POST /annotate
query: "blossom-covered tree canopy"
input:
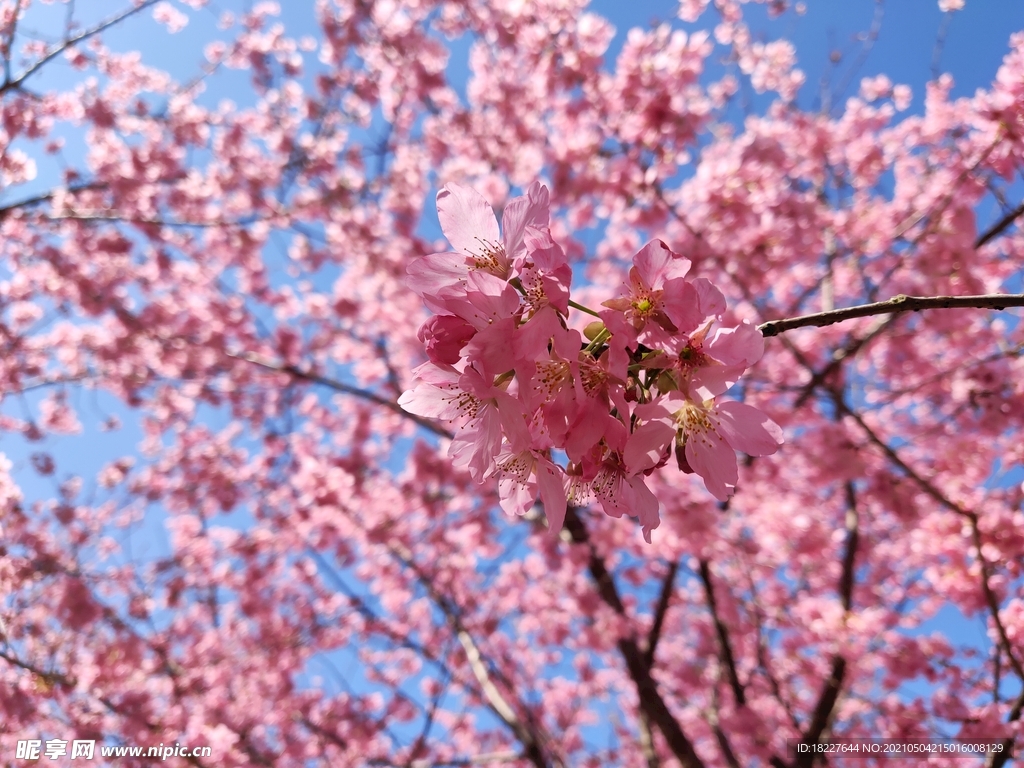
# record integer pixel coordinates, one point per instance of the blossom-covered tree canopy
(692, 435)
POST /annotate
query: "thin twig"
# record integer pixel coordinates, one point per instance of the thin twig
(70, 42)
(940, 44)
(340, 386)
(1000, 226)
(894, 305)
(524, 730)
(839, 355)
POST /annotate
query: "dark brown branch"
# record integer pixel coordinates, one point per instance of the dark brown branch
(724, 645)
(1000, 226)
(896, 304)
(650, 698)
(667, 586)
(762, 656)
(992, 603)
(723, 744)
(990, 597)
(829, 695)
(850, 554)
(999, 759)
(716, 724)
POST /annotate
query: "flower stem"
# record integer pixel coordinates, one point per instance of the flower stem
(603, 335)
(581, 308)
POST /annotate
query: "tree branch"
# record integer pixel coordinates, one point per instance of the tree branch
(48, 196)
(829, 695)
(339, 386)
(894, 305)
(724, 645)
(525, 732)
(57, 678)
(999, 759)
(853, 347)
(991, 601)
(999, 227)
(56, 50)
(667, 586)
(651, 702)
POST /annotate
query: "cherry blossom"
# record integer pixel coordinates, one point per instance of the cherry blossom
(707, 433)
(469, 223)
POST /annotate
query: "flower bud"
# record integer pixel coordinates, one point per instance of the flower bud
(593, 329)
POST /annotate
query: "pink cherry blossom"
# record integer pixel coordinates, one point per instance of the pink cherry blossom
(444, 336)
(469, 223)
(486, 413)
(524, 475)
(548, 371)
(619, 493)
(709, 435)
(707, 367)
(659, 301)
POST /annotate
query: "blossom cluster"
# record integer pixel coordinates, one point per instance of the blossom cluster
(643, 381)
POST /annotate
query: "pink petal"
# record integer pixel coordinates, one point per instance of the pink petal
(486, 300)
(437, 276)
(710, 381)
(467, 220)
(663, 408)
(655, 263)
(749, 430)
(709, 298)
(531, 340)
(552, 494)
(644, 504)
(529, 210)
(513, 420)
(477, 443)
(741, 345)
(515, 498)
(680, 301)
(556, 288)
(588, 429)
(488, 348)
(428, 401)
(623, 333)
(436, 393)
(715, 462)
(645, 446)
(544, 251)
